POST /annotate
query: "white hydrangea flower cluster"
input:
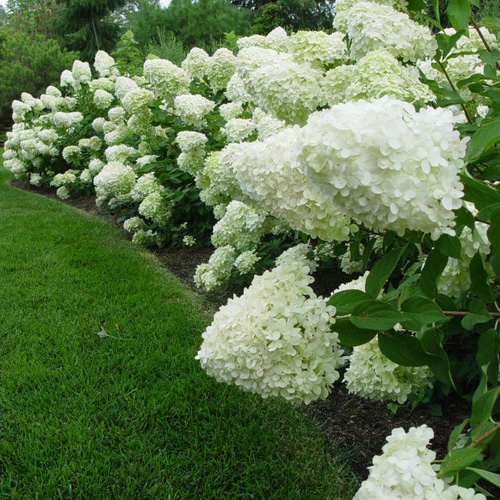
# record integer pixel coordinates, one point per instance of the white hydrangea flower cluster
(72, 154)
(342, 8)
(269, 173)
(137, 101)
(105, 64)
(221, 68)
(372, 375)
(241, 227)
(144, 186)
(196, 63)
(455, 278)
(103, 99)
(280, 86)
(155, 208)
(277, 40)
(68, 178)
(81, 72)
(192, 146)
(231, 110)
(401, 164)
(377, 74)
(120, 153)
(236, 91)
(167, 79)
(67, 120)
(372, 26)
(238, 129)
(405, 471)
(192, 109)
(317, 48)
(145, 238)
(134, 224)
(189, 240)
(275, 340)
(266, 125)
(114, 180)
(245, 262)
(216, 272)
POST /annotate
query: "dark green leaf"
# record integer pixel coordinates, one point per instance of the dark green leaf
(459, 13)
(478, 278)
(440, 364)
(492, 477)
(484, 138)
(464, 217)
(480, 194)
(435, 6)
(478, 314)
(351, 336)
(449, 246)
(492, 23)
(375, 315)
(486, 214)
(419, 311)
(416, 5)
(452, 440)
(481, 413)
(346, 300)
(458, 460)
(491, 173)
(433, 267)
(382, 270)
(403, 349)
(494, 231)
(487, 354)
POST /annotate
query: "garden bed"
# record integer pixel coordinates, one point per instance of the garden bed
(354, 426)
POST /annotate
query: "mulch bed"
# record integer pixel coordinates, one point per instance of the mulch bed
(354, 426)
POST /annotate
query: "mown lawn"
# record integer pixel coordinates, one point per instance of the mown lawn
(131, 417)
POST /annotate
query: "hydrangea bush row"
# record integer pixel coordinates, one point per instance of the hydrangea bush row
(373, 146)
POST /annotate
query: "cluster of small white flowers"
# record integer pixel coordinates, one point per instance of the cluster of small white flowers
(86, 176)
(144, 186)
(216, 272)
(116, 115)
(95, 166)
(231, 110)
(36, 179)
(192, 109)
(405, 471)
(473, 42)
(342, 8)
(72, 154)
(103, 99)
(279, 85)
(455, 278)
(154, 208)
(103, 84)
(275, 340)
(120, 153)
(189, 241)
(373, 376)
(67, 120)
(377, 74)
(196, 63)
(401, 164)
(167, 79)
(68, 178)
(137, 101)
(105, 64)
(318, 48)
(348, 265)
(277, 40)
(134, 224)
(221, 68)
(145, 237)
(192, 145)
(268, 172)
(245, 262)
(63, 192)
(81, 72)
(371, 26)
(115, 179)
(238, 129)
(236, 91)
(266, 125)
(241, 227)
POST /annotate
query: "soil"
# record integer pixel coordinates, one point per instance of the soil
(353, 426)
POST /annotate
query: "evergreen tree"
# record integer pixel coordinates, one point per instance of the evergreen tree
(86, 26)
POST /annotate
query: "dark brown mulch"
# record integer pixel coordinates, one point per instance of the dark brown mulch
(354, 426)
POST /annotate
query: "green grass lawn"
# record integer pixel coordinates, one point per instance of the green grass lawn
(133, 417)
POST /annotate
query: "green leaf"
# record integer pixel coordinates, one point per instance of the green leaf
(346, 300)
(458, 460)
(486, 136)
(492, 23)
(478, 314)
(464, 217)
(419, 312)
(403, 349)
(433, 268)
(351, 336)
(375, 315)
(492, 477)
(382, 270)
(416, 5)
(459, 13)
(449, 246)
(487, 354)
(440, 364)
(486, 214)
(481, 413)
(494, 231)
(435, 6)
(452, 439)
(478, 278)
